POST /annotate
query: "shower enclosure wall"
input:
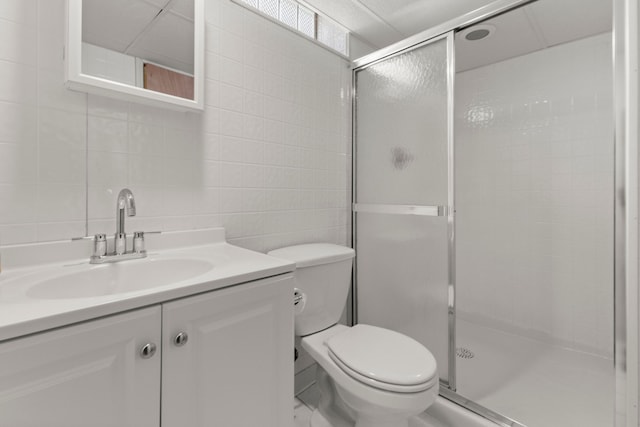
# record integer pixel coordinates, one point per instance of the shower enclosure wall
(511, 268)
(534, 199)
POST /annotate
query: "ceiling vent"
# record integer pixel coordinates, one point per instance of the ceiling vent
(478, 32)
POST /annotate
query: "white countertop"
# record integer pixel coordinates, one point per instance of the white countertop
(21, 313)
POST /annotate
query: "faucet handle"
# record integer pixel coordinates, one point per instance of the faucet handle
(138, 241)
(99, 245)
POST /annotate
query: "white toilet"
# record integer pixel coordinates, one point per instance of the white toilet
(368, 376)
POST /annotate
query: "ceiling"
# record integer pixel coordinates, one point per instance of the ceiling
(159, 31)
(541, 24)
(162, 30)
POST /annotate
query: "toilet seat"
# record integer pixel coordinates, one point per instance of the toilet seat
(383, 359)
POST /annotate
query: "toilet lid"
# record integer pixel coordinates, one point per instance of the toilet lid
(384, 359)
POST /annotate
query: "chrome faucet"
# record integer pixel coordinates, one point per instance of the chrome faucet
(124, 203)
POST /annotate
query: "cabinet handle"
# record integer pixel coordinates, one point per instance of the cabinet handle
(181, 339)
(148, 350)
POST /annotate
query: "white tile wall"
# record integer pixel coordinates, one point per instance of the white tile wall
(109, 64)
(268, 159)
(534, 184)
(42, 128)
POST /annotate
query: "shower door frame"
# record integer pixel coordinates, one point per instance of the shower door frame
(625, 61)
(626, 20)
(448, 210)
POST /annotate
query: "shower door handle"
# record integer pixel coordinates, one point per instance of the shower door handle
(420, 210)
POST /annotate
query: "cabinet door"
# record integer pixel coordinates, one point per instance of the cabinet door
(90, 374)
(236, 368)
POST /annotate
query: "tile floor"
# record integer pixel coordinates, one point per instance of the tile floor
(301, 414)
(304, 404)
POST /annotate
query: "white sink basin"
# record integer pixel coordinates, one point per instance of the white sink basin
(52, 284)
(120, 277)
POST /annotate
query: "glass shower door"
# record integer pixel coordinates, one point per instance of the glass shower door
(403, 197)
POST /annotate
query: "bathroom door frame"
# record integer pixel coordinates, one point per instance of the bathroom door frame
(626, 242)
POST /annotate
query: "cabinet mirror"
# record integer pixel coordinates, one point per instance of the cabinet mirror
(150, 51)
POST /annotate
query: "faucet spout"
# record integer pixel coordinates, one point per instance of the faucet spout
(125, 202)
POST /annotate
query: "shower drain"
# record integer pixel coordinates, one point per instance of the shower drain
(464, 353)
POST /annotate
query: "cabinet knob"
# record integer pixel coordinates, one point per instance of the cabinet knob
(148, 350)
(181, 339)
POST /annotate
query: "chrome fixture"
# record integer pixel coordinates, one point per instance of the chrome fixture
(100, 245)
(180, 339)
(138, 242)
(124, 204)
(148, 350)
(100, 256)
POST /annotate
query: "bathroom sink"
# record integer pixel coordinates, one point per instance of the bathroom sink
(116, 278)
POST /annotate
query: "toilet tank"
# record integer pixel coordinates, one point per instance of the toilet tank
(323, 275)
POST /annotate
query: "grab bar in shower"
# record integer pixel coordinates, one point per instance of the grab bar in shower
(401, 209)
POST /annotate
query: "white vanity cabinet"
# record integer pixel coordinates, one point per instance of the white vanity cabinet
(236, 366)
(90, 374)
(232, 365)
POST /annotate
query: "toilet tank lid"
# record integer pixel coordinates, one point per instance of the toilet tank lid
(313, 254)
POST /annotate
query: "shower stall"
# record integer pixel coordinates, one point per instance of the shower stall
(484, 208)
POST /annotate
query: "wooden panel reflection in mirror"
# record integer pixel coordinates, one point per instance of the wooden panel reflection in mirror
(168, 81)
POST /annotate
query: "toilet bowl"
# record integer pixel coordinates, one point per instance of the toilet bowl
(376, 394)
(368, 376)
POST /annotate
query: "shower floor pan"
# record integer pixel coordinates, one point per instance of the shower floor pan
(535, 383)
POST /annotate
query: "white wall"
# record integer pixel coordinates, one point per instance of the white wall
(534, 186)
(108, 64)
(359, 48)
(268, 159)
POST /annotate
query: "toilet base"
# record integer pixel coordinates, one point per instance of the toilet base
(377, 422)
(332, 412)
(318, 420)
(346, 402)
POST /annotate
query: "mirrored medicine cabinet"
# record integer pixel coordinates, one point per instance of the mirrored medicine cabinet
(147, 51)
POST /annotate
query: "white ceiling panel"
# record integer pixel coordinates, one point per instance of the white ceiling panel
(566, 20)
(536, 26)
(158, 3)
(184, 8)
(513, 36)
(550, 22)
(352, 15)
(390, 10)
(384, 22)
(413, 16)
(114, 24)
(136, 27)
(168, 42)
